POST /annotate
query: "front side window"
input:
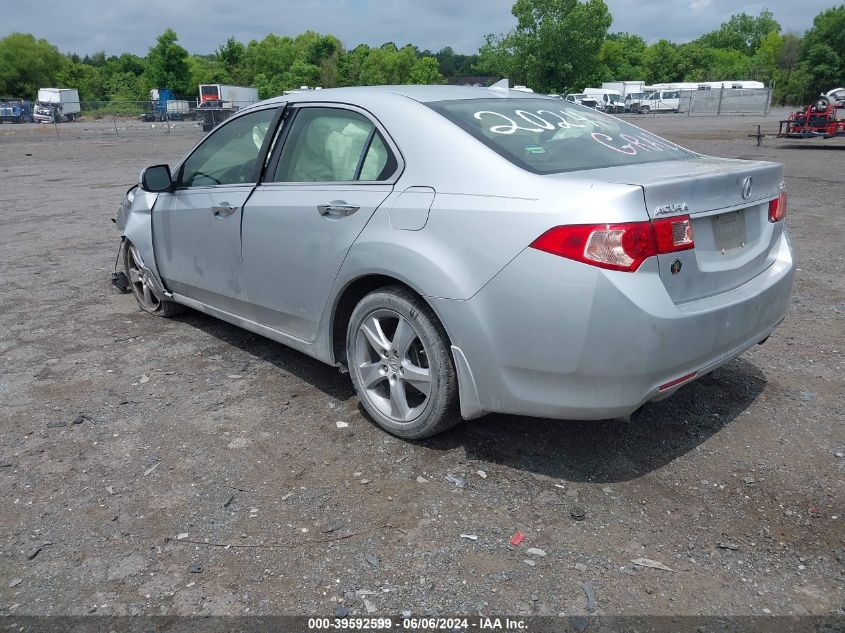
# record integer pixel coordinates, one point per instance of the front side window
(333, 145)
(547, 136)
(230, 155)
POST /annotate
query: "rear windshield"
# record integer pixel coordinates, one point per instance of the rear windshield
(208, 91)
(548, 136)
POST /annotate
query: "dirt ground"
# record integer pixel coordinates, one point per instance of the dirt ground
(208, 475)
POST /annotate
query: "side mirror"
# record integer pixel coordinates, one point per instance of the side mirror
(156, 179)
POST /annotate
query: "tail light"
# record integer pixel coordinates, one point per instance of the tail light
(777, 208)
(618, 246)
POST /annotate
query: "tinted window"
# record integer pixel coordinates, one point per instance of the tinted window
(548, 136)
(230, 154)
(333, 145)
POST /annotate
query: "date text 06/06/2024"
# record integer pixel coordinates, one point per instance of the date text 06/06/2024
(505, 625)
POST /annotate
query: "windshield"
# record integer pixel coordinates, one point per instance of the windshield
(547, 136)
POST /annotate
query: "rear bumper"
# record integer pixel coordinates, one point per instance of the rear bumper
(549, 337)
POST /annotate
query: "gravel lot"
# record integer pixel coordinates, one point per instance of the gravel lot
(207, 473)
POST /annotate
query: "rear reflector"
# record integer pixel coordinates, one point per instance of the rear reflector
(673, 234)
(618, 246)
(777, 208)
(677, 381)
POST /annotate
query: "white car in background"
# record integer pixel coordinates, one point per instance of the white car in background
(582, 99)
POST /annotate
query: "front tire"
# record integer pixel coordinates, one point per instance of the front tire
(645, 110)
(401, 366)
(145, 294)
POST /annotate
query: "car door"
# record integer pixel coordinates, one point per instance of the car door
(669, 100)
(333, 169)
(197, 227)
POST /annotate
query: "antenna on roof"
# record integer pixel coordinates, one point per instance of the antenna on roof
(501, 87)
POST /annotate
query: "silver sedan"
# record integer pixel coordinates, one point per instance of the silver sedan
(462, 251)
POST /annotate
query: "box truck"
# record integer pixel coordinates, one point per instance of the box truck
(56, 104)
(234, 97)
(218, 102)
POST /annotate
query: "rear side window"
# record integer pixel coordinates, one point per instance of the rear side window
(547, 136)
(333, 145)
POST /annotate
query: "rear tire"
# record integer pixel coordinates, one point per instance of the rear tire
(145, 294)
(401, 365)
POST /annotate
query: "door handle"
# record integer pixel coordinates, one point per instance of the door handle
(337, 208)
(223, 209)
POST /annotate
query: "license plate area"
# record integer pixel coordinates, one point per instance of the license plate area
(729, 231)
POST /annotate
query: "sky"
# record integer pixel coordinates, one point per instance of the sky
(88, 26)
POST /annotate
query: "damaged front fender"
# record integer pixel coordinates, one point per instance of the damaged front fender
(134, 220)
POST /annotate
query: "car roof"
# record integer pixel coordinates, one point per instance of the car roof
(421, 93)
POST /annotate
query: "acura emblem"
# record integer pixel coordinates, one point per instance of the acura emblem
(747, 188)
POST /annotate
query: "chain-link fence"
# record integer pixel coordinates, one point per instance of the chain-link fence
(117, 118)
(726, 101)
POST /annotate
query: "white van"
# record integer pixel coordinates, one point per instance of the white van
(661, 101)
(608, 100)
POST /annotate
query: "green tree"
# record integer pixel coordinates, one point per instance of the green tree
(96, 59)
(696, 62)
(798, 88)
(123, 75)
(387, 65)
(498, 57)
(231, 55)
(742, 32)
(329, 70)
(167, 65)
(27, 64)
(661, 62)
(620, 58)
(730, 64)
(315, 48)
(207, 71)
(351, 65)
(787, 61)
(426, 70)
(269, 57)
(763, 65)
(447, 61)
(823, 54)
(86, 79)
(555, 45)
(301, 73)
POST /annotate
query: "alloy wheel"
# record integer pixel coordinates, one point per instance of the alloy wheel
(392, 363)
(144, 292)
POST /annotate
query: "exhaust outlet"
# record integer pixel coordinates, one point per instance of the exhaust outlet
(633, 416)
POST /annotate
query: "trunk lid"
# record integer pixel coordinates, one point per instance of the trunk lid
(728, 203)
